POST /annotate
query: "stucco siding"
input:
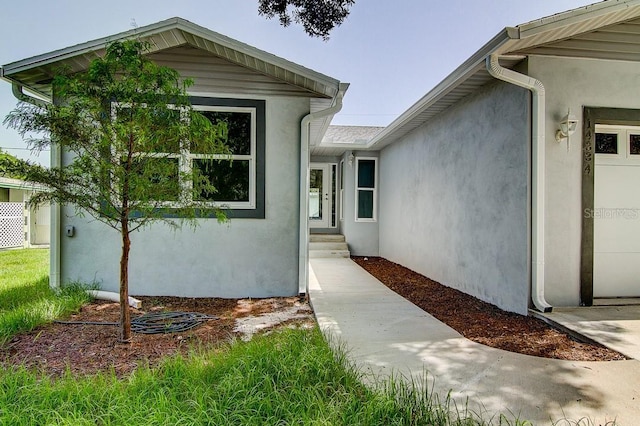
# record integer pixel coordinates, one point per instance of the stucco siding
(247, 258)
(573, 83)
(453, 197)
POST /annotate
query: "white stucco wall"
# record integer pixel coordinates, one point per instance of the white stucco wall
(248, 257)
(453, 197)
(573, 83)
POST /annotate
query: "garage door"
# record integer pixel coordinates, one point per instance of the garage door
(616, 214)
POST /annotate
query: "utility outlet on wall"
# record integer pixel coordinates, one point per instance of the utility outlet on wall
(70, 230)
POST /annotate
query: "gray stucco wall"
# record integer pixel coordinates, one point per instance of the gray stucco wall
(362, 237)
(573, 83)
(247, 258)
(454, 197)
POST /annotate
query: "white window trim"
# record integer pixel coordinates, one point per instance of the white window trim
(374, 190)
(185, 160)
(251, 204)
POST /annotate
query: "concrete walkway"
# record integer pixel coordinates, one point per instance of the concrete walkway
(385, 334)
(617, 327)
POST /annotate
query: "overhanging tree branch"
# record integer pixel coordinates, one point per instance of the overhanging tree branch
(317, 17)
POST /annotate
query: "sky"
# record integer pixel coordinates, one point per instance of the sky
(392, 52)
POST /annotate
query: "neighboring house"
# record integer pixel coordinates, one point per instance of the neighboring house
(474, 190)
(21, 225)
(468, 187)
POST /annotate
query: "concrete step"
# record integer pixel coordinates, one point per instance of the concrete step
(314, 254)
(326, 238)
(328, 246)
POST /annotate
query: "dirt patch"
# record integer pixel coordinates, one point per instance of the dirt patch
(88, 349)
(480, 321)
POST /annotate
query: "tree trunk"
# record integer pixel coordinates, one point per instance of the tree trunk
(125, 314)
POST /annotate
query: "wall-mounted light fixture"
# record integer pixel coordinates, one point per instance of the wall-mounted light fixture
(568, 127)
(350, 158)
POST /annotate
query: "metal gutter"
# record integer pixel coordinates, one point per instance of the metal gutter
(305, 159)
(537, 173)
(510, 41)
(461, 74)
(17, 89)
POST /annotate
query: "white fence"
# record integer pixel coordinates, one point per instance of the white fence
(12, 225)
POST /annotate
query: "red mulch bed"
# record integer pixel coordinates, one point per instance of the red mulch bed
(480, 321)
(89, 349)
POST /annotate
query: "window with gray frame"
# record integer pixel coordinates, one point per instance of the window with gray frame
(239, 177)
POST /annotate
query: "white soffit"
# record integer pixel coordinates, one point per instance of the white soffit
(339, 139)
(605, 30)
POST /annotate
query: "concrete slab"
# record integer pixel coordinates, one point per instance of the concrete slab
(387, 335)
(616, 327)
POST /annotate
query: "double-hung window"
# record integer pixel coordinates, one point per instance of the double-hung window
(233, 175)
(366, 191)
(237, 176)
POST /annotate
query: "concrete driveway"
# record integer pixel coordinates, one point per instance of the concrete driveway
(616, 327)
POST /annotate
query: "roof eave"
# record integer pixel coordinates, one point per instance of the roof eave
(330, 85)
(452, 80)
(573, 16)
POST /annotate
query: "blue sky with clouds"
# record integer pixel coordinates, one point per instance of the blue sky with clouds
(391, 51)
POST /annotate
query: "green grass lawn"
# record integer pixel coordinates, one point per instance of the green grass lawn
(290, 377)
(287, 378)
(26, 300)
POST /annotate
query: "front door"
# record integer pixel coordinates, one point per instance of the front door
(319, 195)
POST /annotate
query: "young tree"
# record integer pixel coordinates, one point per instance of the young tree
(124, 126)
(318, 17)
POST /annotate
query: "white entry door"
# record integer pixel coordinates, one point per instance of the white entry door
(616, 215)
(320, 195)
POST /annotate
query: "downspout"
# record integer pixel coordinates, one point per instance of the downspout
(54, 244)
(537, 174)
(305, 159)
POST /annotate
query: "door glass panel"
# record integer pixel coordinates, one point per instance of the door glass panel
(315, 194)
(333, 195)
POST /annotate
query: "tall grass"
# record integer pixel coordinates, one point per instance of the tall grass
(26, 300)
(290, 377)
(287, 378)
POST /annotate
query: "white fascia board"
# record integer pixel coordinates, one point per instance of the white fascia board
(510, 39)
(574, 16)
(345, 146)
